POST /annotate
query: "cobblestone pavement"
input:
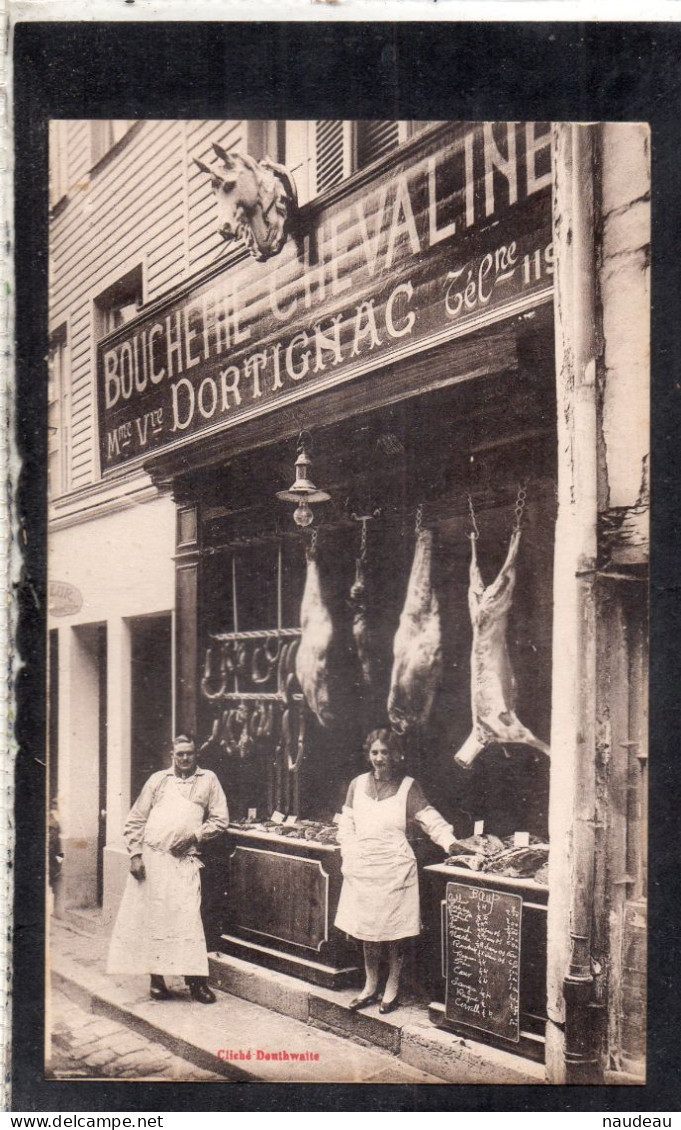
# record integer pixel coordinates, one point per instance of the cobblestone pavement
(86, 1045)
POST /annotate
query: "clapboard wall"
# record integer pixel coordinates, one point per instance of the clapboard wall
(144, 204)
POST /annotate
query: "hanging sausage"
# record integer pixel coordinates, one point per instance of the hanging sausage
(316, 636)
(417, 650)
(364, 630)
(493, 684)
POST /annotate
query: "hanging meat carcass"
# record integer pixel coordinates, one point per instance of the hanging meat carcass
(364, 636)
(315, 641)
(493, 684)
(417, 650)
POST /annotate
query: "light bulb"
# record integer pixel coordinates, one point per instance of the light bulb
(302, 515)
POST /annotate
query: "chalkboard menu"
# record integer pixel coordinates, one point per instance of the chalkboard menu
(483, 959)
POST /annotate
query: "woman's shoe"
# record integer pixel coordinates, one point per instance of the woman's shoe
(388, 1006)
(158, 990)
(362, 1002)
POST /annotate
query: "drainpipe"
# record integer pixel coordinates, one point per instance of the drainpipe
(571, 988)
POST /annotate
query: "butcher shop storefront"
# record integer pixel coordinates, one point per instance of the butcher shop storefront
(356, 416)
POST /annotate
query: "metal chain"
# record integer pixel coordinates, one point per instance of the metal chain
(476, 532)
(419, 519)
(235, 606)
(313, 540)
(364, 519)
(363, 542)
(520, 506)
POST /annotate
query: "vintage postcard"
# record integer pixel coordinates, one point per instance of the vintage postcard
(346, 703)
(347, 562)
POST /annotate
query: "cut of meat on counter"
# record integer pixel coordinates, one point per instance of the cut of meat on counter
(493, 684)
(316, 636)
(417, 650)
(473, 851)
(493, 858)
(482, 845)
(520, 861)
(313, 830)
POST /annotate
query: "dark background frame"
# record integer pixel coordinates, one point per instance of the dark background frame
(430, 70)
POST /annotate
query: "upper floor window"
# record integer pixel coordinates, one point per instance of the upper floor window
(321, 154)
(58, 414)
(106, 134)
(58, 161)
(119, 303)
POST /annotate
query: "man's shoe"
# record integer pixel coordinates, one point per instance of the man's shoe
(158, 990)
(199, 991)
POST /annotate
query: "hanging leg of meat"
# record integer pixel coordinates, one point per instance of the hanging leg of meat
(365, 642)
(315, 640)
(417, 651)
(493, 685)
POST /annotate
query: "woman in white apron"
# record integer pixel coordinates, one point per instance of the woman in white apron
(158, 929)
(379, 901)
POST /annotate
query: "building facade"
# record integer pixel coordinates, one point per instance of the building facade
(451, 321)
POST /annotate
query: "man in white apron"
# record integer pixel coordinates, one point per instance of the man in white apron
(158, 930)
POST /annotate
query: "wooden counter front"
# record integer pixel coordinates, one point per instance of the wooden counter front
(532, 964)
(282, 898)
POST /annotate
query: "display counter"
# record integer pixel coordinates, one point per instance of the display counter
(283, 895)
(487, 956)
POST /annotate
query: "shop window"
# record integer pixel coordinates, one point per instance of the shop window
(322, 154)
(58, 414)
(105, 136)
(58, 161)
(119, 303)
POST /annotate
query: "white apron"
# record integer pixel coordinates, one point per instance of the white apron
(379, 900)
(159, 928)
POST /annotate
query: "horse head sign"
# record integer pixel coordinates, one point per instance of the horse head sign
(255, 200)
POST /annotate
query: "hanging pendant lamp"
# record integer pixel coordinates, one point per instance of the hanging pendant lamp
(303, 491)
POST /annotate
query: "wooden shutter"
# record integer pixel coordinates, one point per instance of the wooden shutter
(330, 153)
(374, 140)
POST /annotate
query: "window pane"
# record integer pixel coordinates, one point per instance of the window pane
(120, 314)
(58, 415)
(119, 303)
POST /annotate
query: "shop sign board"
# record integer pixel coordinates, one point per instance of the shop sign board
(482, 937)
(63, 599)
(450, 235)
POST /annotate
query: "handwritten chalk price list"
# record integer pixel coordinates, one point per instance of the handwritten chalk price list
(483, 959)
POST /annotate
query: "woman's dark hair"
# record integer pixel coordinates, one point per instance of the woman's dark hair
(389, 737)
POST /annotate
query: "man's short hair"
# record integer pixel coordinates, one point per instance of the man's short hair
(183, 740)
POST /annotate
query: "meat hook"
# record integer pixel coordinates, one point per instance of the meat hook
(207, 675)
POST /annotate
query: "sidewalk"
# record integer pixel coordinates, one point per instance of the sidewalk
(194, 1033)
(88, 1045)
(270, 1027)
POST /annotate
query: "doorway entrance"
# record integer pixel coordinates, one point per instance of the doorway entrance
(151, 698)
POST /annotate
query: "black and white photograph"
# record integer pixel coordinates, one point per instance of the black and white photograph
(347, 628)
